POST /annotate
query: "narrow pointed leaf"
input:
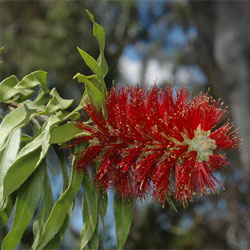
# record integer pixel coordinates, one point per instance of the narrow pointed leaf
(15, 119)
(93, 65)
(102, 208)
(55, 242)
(123, 211)
(40, 101)
(60, 210)
(95, 95)
(5, 211)
(93, 244)
(26, 204)
(8, 155)
(45, 210)
(28, 159)
(64, 133)
(56, 103)
(36, 78)
(89, 211)
(8, 90)
(99, 34)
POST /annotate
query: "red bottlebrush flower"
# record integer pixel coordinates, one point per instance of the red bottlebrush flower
(151, 135)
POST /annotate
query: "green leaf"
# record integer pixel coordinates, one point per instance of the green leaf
(28, 158)
(93, 244)
(64, 133)
(36, 78)
(99, 34)
(93, 65)
(102, 207)
(40, 101)
(123, 211)
(56, 103)
(75, 113)
(5, 211)
(8, 156)
(171, 203)
(60, 154)
(8, 90)
(15, 119)
(95, 95)
(55, 242)
(89, 211)
(45, 210)
(60, 211)
(26, 204)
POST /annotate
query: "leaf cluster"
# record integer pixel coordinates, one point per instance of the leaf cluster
(36, 119)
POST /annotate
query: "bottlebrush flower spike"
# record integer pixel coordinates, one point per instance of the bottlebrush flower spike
(152, 136)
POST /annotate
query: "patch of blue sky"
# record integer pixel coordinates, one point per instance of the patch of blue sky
(145, 7)
(131, 52)
(143, 13)
(176, 38)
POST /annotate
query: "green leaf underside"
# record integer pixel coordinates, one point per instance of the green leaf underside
(26, 203)
(8, 155)
(60, 210)
(8, 90)
(123, 211)
(57, 103)
(36, 78)
(15, 119)
(40, 101)
(89, 211)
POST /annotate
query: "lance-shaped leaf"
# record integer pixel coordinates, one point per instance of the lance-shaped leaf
(55, 242)
(99, 34)
(123, 211)
(102, 208)
(36, 78)
(93, 65)
(28, 158)
(93, 244)
(26, 204)
(89, 211)
(40, 101)
(45, 210)
(95, 95)
(5, 211)
(64, 133)
(15, 119)
(8, 156)
(8, 90)
(171, 203)
(60, 210)
(56, 103)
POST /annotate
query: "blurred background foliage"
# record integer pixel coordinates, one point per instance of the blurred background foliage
(199, 43)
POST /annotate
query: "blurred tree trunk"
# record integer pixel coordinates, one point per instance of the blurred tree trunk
(223, 51)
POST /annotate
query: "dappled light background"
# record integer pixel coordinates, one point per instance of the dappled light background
(201, 44)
